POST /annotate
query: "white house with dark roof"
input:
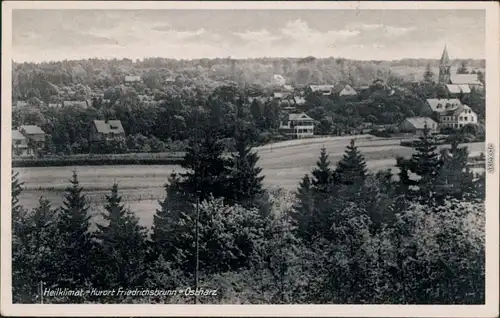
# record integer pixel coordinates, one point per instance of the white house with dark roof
(297, 125)
(19, 144)
(106, 130)
(417, 125)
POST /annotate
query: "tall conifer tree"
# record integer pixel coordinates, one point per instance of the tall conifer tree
(75, 239)
(322, 174)
(122, 244)
(351, 168)
(303, 211)
(426, 163)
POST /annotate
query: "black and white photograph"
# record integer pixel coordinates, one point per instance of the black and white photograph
(250, 154)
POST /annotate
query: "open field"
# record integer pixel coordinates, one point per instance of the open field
(283, 164)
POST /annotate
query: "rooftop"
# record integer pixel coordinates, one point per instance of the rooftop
(298, 116)
(31, 130)
(465, 79)
(110, 126)
(419, 122)
(16, 135)
(439, 105)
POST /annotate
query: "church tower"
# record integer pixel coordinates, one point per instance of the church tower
(444, 67)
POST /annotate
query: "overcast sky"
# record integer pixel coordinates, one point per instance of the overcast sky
(44, 35)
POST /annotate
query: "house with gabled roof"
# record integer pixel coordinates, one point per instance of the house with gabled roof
(345, 90)
(106, 130)
(19, 144)
(458, 117)
(297, 125)
(439, 105)
(35, 137)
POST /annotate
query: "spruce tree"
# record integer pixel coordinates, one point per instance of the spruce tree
(16, 189)
(322, 174)
(351, 169)
(303, 211)
(75, 240)
(245, 174)
(428, 75)
(167, 222)
(33, 258)
(207, 168)
(121, 244)
(426, 163)
(455, 178)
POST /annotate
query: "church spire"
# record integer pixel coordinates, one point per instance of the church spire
(444, 67)
(445, 59)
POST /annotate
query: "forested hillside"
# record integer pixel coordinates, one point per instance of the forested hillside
(48, 81)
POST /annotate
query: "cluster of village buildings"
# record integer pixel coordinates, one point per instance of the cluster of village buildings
(28, 140)
(450, 113)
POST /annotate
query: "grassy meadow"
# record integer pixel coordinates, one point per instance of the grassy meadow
(141, 186)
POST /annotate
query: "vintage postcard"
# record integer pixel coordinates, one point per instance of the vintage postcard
(250, 159)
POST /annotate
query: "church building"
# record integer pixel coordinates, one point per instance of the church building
(456, 84)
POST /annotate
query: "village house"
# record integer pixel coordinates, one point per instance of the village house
(297, 125)
(417, 125)
(106, 130)
(458, 117)
(19, 144)
(35, 137)
(345, 90)
(438, 105)
(325, 90)
(132, 79)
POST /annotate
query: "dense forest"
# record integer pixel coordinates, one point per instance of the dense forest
(348, 236)
(159, 115)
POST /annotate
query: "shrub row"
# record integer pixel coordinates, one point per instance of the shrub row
(95, 161)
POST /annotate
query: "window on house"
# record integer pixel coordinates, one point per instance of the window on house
(456, 125)
(465, 118)
(460, 125)
(461, 118)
